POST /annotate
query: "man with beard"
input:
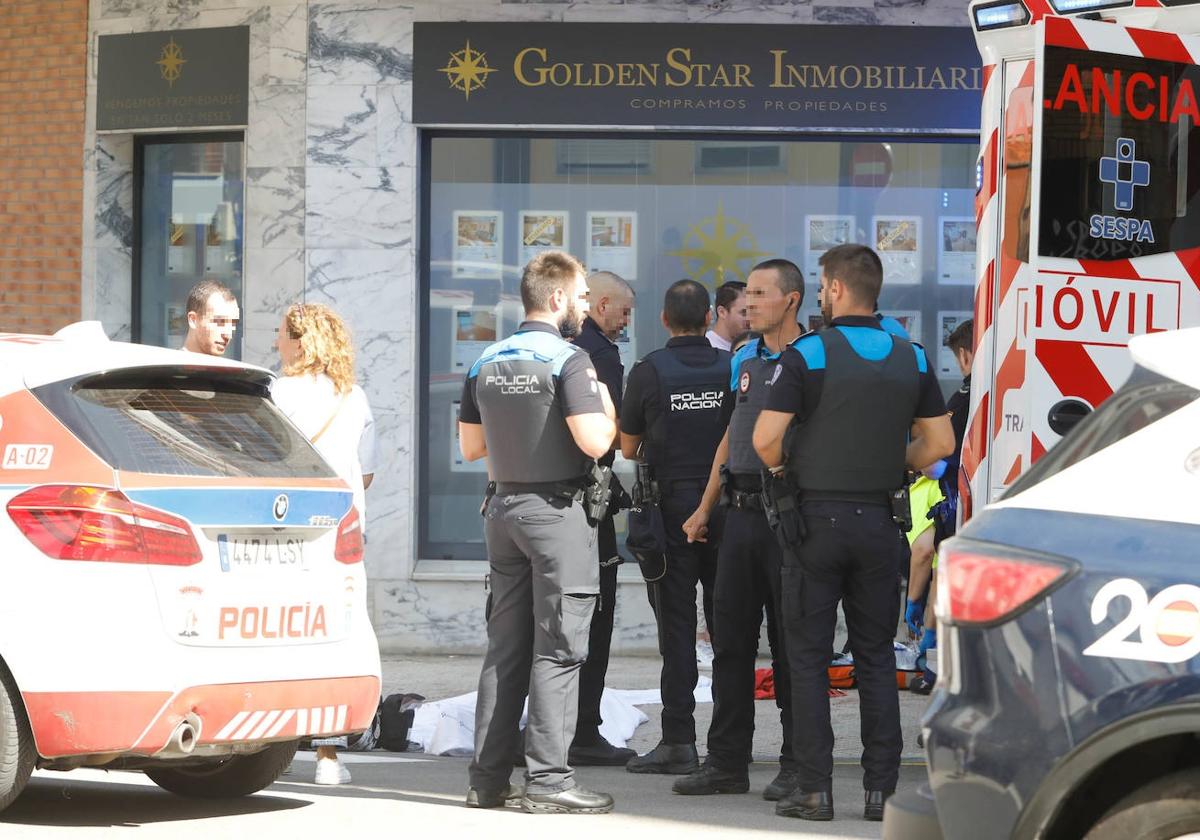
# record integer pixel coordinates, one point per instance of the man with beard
(610, 302)
(748, 559)
(533, 406)
(846, 399)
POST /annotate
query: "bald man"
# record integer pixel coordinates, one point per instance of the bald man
(610, 303)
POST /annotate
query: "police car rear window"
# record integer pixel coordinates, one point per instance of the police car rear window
(1144, 399)
(186, 425)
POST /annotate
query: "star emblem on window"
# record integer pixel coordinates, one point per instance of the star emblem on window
(467, 70)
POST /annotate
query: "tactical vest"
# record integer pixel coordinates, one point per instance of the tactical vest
(753, 375)
(688, 428)
(516, 382)
(855, 439)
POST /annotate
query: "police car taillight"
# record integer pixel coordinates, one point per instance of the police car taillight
(349, 546)
(101, 525)
(985, 583)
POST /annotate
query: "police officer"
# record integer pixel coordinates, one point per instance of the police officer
(855, 391)
(610, 302)
(533, 406)
(748, 559)
(675, 413)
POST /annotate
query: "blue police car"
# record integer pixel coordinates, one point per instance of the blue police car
(1068, 703)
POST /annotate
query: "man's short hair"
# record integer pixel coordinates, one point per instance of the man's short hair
(685, 305)
(963, 337)
(787, 275)
(859, 269)
(197, 299)
(728, 293)
(609, 280)
(543, 274)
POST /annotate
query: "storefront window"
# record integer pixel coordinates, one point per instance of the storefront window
(189, 214)
(654, 211)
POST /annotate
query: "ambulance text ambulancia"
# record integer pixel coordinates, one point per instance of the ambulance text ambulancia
(183, 580)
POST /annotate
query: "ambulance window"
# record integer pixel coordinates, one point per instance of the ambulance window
(206, 425)
(1145, 399)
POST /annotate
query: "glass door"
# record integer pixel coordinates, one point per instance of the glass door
(189, 208)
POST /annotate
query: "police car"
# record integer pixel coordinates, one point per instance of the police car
(1069, 700)
(182, 578)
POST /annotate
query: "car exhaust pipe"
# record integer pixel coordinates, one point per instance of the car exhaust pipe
(183, 740)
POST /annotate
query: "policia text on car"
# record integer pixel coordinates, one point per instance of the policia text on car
(541, 441)
(834, 437)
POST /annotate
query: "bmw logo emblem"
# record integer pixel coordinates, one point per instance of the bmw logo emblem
(280, 508)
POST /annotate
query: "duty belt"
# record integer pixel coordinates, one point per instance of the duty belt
(572, 489)
(741, 492)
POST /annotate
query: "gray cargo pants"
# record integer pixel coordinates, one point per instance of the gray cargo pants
(544, 582)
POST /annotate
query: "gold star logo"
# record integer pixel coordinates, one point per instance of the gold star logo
(171, 63)
(717, 245)
(468, 70)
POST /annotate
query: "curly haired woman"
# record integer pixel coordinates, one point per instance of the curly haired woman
(317, 392)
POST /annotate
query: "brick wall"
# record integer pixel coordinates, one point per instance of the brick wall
(43, 66)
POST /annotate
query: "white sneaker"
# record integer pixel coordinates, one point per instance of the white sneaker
(704, 655)
(330, 771)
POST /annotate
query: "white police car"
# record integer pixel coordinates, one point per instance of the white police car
(1069, 700)
(182, 582)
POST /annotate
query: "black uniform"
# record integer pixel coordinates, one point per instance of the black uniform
(607, 360)
(748, 563)
(544, 578)
(855, 391)
(678, 401)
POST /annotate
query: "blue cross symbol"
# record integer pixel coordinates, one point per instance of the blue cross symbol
(1124, 172)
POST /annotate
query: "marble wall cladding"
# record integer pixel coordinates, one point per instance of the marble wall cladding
(274, 279)
(359, 43)
(274, 207)
(331, 206)
(360, 207)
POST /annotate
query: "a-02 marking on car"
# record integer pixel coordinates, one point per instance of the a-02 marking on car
(27, 456)
(1168, 624)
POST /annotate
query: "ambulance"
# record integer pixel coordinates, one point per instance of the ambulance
(1088, 210)
(182, 577)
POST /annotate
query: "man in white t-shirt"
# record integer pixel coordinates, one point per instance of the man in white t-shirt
(213, 316)
(732, 319)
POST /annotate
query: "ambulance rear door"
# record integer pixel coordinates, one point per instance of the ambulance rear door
(1115, 221)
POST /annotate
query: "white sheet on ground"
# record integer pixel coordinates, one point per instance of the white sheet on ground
(447, 727)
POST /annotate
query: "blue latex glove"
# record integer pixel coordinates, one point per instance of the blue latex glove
(914, 614)
(928, 641)
(936, 470)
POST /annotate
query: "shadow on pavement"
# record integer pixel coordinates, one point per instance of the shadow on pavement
(82, 803)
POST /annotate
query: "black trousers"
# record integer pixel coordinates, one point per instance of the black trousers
(591, 676)
(748, 565)
(673, 599)
(852, 553)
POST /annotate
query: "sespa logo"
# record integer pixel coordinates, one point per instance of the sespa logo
(691, 401)
(1125, 172)
(517, 383)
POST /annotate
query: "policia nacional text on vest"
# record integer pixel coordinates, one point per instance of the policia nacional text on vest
(541, 555)
(678, 397)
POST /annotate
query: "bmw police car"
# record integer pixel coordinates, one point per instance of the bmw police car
(1069, 700)
(182, 579)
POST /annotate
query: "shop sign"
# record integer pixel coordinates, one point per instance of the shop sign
(807, 77)
(174, 79)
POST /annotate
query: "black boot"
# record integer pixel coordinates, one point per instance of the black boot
(710, 779)
(493, 798)
(666, 759)
(806, 806)
(873, 804)
(599, 754)
(781, 785)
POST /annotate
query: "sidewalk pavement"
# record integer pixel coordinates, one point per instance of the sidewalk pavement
(439, 677)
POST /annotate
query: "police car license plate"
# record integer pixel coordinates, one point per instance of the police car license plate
(260, 551)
